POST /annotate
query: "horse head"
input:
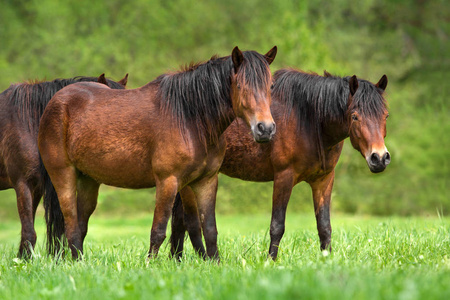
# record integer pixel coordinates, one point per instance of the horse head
(367, 114)
(251, 83)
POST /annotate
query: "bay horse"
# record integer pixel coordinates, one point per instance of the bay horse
(21, 107)
(165, 134)
(314, 115)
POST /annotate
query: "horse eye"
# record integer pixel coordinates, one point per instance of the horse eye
(387, 116)
(271, 87)
(354, 117)
(238, 86)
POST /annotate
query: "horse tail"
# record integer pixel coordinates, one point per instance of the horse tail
(178, 228)
(53, 214)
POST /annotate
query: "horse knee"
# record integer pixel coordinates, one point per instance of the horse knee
(210, 234)
(157, 237)
(276, 230)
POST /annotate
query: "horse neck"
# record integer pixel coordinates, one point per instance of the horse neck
(334, 132)
(207, 129)
(226, 122)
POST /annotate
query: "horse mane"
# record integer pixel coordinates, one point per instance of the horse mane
(317, 100)
(321, 99)
(31, 97)
(200, 93)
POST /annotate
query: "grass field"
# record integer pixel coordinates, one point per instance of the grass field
(373, 258)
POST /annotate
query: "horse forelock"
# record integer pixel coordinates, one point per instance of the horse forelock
(368, 100)
(254, 71)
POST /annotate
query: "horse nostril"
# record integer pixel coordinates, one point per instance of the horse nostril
(374, 158)
(387, 158)
(261, 127)
(272, 128)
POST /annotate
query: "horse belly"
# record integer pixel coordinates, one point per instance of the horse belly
(115, 165)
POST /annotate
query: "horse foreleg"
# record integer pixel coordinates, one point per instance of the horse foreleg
(206, 190)
(166, 191)
(282, 189)
(87, 193)
(27, 211)
(321, 189)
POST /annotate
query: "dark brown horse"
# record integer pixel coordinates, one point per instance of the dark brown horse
(21, 107)
(314, 115)
(165, 134)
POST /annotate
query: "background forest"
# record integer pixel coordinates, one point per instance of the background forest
(408, 40)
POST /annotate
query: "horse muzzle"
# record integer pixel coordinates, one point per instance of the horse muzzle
(264, 132)
(378, 163)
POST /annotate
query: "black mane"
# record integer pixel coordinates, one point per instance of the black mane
(318, 100)
(200, 94)
(31, 98)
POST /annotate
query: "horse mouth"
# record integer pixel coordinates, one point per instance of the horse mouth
(263, 139)
(377, 168)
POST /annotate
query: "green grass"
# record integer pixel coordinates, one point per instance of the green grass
(373, 258)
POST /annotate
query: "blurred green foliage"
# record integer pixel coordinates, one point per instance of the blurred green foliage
(406, 39)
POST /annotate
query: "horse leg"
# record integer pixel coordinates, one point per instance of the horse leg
(192, 221)
(166, 191)
(178, 229)
(65, 182)
(87, 194)
(205, 191)
(27, 212)
(321, 189)
(282, 189)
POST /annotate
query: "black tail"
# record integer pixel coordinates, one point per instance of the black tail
(53, 215)
(178, 229)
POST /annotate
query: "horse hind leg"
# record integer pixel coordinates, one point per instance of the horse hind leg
(178, 229)
(192, 220)
(87, 194)
(27, 209)
(205, 192)
(65, 181)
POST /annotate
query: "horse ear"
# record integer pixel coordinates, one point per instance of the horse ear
(102, 79)
(382, 83)
(123, 82)
(270, 56)
(353, 84)
(237, 57)
(326, 74)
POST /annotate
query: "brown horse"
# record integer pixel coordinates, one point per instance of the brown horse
(314, 116)
(21, 107)
(165, 134)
